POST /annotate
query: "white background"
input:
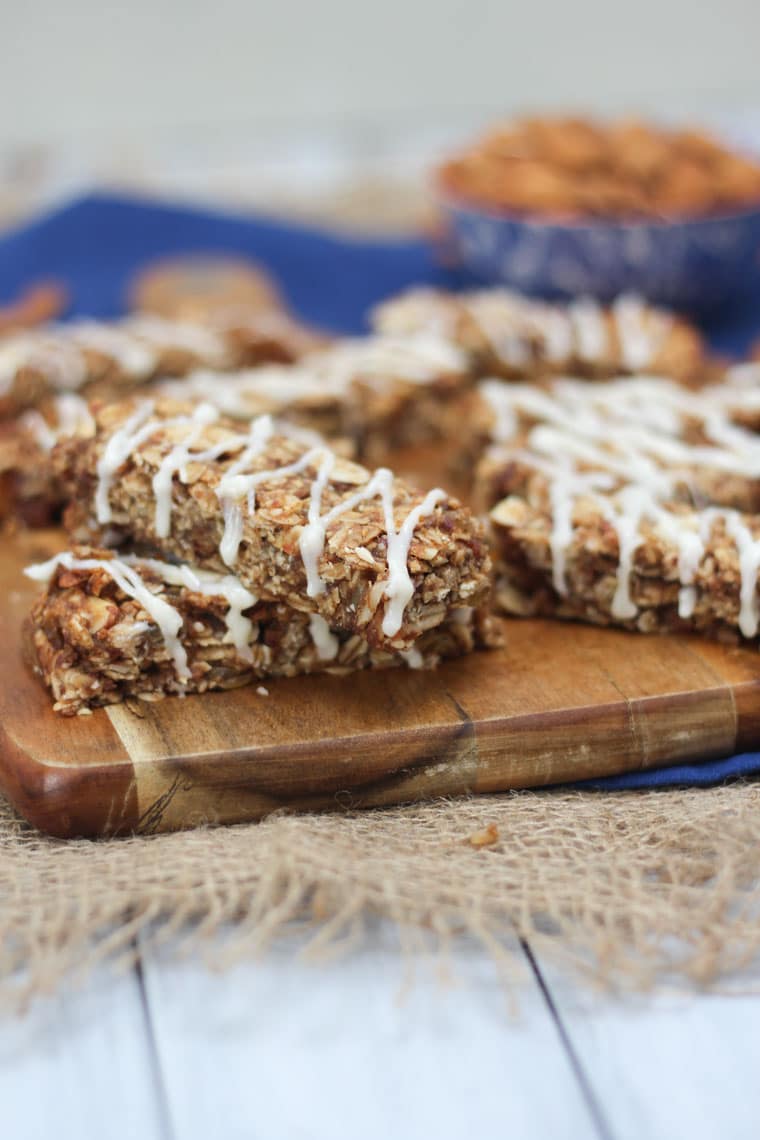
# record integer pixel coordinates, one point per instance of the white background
(73, 68)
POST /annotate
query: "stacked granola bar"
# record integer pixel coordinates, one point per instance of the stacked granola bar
(219, 533)
(323, 562)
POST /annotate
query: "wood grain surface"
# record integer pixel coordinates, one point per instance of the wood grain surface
(560, 702)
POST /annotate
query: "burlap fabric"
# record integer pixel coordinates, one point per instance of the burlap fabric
(632, 887)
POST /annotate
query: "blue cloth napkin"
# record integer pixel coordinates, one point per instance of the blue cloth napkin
(96, 245)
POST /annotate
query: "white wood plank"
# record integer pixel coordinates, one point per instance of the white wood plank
(80, 1064)
(284, 1049)
(669, 1064)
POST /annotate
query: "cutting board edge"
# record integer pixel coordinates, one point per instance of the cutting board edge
(57, 798)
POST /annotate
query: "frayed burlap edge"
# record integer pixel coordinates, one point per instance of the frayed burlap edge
(630, 887)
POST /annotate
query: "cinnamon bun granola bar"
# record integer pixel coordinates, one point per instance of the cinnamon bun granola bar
(99, 358)
(275, 506)
(29, 491)
(631, 504)
(378, 392)
(512, 336)
(110, 628)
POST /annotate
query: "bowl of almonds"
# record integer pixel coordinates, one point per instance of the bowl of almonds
(559, 207)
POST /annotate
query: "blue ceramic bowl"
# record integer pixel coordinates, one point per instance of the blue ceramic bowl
(697, 265)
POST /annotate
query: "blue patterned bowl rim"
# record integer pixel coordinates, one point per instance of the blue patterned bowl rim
(463, 206)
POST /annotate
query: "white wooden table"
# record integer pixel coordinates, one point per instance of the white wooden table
(357, 1048)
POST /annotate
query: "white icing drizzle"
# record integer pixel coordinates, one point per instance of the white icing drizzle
(239, 484)
(557, 329)
(161, 333)
(590, 330)
(506, 321)
(419, 358)
(71, 416)
(241, 394)
(641, 332)
(325, 642)
(177, 458)
(240, 629)
(399, 587)
(41, 431)
(620, 446)
(137, 428)
(50, 353)
(748, 548)
(515, 326)
(413, 658)
(418, 310)
(745, 376)
(133, 357)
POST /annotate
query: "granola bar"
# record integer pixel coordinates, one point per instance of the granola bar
(279, 509)
(29, 489)
(629, 430)
(105, 359)
(619, 510)
(259, 336)
(379, 392)
(111, 628)
(508, 335)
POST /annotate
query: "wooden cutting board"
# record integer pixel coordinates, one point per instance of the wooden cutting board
(560, 702)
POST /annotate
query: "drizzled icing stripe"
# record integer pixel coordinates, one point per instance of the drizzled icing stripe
(628, 433)
(237, 394)
(237, 483)
(71, 415)
(325, 642)
(61, 361)
(177, 458)
(122, 443)
(133, 356)
(636, 420)
(641, 332)
(399, 588)
(240, 629)
(589, 330)
(161, 333)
